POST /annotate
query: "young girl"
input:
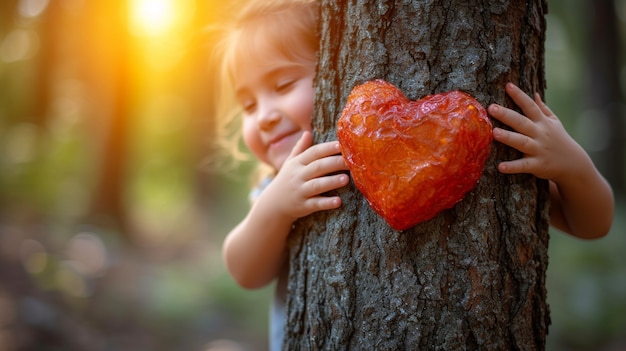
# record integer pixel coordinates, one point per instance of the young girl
(270, 60)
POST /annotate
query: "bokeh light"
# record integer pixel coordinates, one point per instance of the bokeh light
(158, 18)
(152, 17)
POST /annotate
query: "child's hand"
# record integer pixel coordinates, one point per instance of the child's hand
(549, 151)
(305, 175)
(582, 202)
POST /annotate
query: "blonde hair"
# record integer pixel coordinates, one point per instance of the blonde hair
(289, 26)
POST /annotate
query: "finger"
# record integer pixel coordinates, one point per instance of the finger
(542, 105)
(319, 151)
(522, 165)
(321, 185)
(322, 203)
(512, 119)
(326, 165)
(521, 99)
(517, 141)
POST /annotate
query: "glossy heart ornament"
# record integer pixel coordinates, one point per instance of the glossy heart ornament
(413, 159)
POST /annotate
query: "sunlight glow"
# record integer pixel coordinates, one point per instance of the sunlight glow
(162, 28)
(152, 17)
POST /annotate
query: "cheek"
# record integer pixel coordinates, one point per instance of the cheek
(305, 108)
(253, 141)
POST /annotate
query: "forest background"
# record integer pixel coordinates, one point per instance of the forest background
(111, 219)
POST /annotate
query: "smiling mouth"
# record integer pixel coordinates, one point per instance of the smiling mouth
(276, 142)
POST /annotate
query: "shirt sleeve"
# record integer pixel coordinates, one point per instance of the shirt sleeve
(257, 190)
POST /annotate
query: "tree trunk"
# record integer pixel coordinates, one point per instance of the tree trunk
(47, 59)
(473, 278)
(108, 207)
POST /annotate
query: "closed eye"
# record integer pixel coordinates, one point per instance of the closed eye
(248, 106)
(285, 85)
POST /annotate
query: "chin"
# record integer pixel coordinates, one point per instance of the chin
(277, 164)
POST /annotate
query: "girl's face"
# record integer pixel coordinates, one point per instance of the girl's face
(277, 99)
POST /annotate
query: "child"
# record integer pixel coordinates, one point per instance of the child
(270, 59)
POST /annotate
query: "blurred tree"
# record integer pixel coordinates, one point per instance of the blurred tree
(473, 277)
(47, 59)
(108, 206)
(7, 11)
(603, 93)
(201, 88)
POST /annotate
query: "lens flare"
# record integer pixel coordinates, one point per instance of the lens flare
(152, 17)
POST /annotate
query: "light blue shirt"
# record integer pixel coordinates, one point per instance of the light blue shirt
(278, 312)
(278, 308)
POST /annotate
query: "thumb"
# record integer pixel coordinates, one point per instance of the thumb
(305, 141)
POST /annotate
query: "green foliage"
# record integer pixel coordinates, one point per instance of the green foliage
(586, 289)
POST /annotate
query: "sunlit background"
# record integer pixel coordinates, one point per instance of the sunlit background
(111, 227)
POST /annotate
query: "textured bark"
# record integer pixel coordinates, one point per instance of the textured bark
(473, 278)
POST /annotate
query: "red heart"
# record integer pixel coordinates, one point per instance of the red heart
(413, 159)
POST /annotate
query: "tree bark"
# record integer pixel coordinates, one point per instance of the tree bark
(472, 278)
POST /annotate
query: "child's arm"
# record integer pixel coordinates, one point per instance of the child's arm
(582, 201)
(254, 251)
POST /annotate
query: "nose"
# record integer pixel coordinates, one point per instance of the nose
(268, 116)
